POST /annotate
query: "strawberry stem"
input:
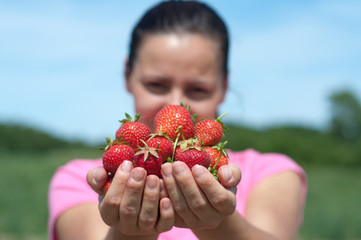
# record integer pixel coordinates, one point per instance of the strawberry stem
(180, 130)
(224, 114)
(174, 147)
(219, 158)
(220, 148)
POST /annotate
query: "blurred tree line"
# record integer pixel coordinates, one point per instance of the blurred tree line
(339, 144)
(21, 138)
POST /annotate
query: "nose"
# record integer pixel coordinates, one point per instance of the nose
(175, 97)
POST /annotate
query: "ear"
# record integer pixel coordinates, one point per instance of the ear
(127, 72)
(225, 86)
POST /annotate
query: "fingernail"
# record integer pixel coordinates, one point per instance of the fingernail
(126, 166)
(167, 170)
(166, 204)
(226, 174)
(138, 175)
(151, 183)
(178, 168)
(198, 171)
(97, 176)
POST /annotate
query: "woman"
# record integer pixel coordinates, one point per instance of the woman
(179, 53)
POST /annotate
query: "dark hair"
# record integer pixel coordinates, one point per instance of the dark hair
(180, 16)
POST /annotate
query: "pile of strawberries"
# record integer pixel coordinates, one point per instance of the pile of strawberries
(176, 138)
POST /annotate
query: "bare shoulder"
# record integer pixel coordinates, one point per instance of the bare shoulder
(275, 205)
(82, 221)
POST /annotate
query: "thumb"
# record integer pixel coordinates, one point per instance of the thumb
(229, 175)
(96, 179)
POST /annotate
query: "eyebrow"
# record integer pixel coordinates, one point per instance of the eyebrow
(196, 82)
(154, 77)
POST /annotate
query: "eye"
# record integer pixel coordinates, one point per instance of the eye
(157, 87)
(198, 93)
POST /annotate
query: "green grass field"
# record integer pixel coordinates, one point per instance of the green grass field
(24, 183)
(332, 211)
(333, 203)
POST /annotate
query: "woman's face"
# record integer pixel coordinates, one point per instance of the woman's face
(175, 68)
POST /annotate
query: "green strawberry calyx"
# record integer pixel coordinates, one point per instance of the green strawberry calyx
(146, 150)
(128, 118)
(194, 116)
(160, 133)
(218, 119)
(111, 143)
(214, 172)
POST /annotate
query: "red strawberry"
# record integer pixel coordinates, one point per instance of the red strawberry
(149, 159)
(115, 155)
(192, 156)
(209, 131)
(170, 118)
(218, 157)
(107, 184)
(132, 132)
(163, 146)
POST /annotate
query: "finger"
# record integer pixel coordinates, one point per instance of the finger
(179, 202)
(109, 207)
(163, 190)
(167, 215)
(131, 201)
(149, 207)
(229, 175)
(219, 197)
(96, 179)
(195, 198)
(233, 189)
(179, 222)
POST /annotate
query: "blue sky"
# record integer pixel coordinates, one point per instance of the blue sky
(61, 62)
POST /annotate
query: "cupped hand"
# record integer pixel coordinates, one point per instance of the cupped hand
(132, 202)
(199, 200)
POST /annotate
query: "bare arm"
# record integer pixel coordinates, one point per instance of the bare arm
(81, 222)
(84, 222)
(274, 205)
